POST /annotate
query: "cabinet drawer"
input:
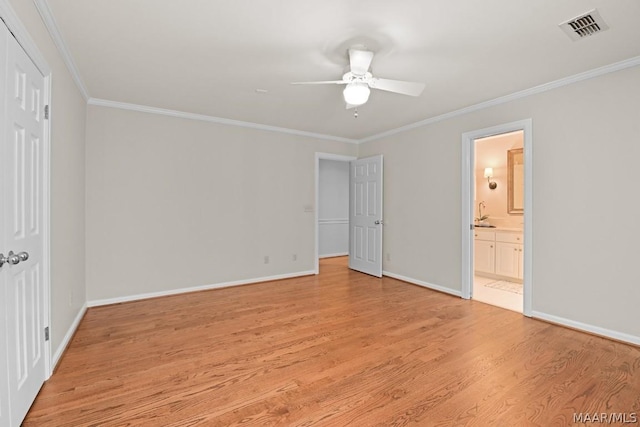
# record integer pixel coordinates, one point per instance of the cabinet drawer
(509, 237)
(484, 235)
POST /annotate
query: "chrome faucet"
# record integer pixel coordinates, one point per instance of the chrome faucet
(481, 217)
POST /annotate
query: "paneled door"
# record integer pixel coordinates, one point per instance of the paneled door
(22, 284)
(365, 215)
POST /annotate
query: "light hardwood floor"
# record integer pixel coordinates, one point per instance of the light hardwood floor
(337, 349)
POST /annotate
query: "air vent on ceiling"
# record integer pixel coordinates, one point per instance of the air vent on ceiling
(584, 25)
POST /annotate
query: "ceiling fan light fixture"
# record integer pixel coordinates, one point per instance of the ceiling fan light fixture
(356, 93)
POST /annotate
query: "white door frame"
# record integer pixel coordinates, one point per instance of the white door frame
(468, 156)
(21, 34)
(323, 156)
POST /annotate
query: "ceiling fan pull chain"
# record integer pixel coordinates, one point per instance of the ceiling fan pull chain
(355, 113)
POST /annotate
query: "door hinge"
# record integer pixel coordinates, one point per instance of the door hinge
(471, 226)
(46, 112)
(46, 333)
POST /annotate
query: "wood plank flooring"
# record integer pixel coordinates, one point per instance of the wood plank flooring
(337, 349)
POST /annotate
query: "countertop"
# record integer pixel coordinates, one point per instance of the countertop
(512, 230)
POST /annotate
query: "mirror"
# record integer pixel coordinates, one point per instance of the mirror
(515, 181)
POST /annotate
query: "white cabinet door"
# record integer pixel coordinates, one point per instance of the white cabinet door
(21, 231)
(484, 256)
(508, 257)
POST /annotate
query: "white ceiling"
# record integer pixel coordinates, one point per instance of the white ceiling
(209, 56)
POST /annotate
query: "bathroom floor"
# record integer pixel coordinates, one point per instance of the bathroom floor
(500, 293)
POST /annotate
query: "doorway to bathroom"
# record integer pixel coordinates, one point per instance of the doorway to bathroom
(496, 216)
(498, 220)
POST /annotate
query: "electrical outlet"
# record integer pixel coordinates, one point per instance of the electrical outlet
(294, 257)
(266, 259)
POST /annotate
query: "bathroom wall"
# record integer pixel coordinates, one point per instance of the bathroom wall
(333, 208)
(491, 152)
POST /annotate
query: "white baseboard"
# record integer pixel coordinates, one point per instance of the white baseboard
(334, 255)
(423, 284)
(67, 337)
(607, 333)
(108, 301)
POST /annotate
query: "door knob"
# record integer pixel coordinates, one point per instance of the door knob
(12, 258)
(378, 222)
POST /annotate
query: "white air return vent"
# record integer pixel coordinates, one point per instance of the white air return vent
(584, 25)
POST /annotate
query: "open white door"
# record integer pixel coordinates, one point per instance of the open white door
(22, 231)
(365, 215)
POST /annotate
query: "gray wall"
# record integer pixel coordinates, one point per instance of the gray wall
(175, 203)
(585, 226)
(67, 182)
(229, 196)
(333, 208)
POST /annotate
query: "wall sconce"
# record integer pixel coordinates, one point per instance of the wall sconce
(488, 173)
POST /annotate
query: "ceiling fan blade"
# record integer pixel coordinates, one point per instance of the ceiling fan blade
(397, 86)
(327, 82)
(360, 60)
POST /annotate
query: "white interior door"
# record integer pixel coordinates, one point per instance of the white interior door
(22, 283)
(365, 215)
(4, 374)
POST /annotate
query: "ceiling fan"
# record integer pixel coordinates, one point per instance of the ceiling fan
(359, 81)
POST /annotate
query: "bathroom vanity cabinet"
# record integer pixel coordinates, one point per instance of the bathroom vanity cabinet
(498, 253)
(484, 251)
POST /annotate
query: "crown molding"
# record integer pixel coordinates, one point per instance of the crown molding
(212, 119)
(15, 26)
(49, 21)
(596, 72)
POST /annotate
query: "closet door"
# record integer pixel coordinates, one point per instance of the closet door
(22, 322)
